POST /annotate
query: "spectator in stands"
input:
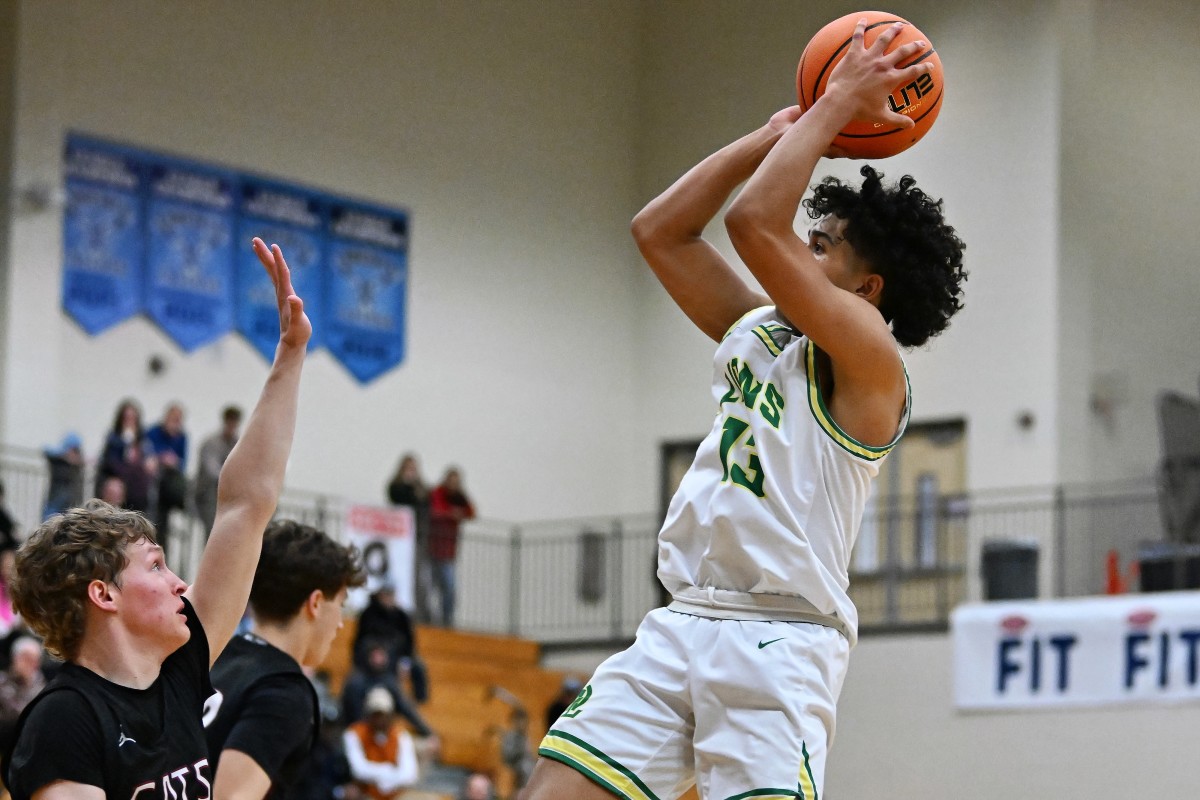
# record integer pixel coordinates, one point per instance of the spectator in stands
(128, 455)
(112, 491)
(449, 506)
(570, 689)
(8, 525)
(374, 674)
(213, 452)
(169, 444)
(66, 476)
(383, 622)
(19, 684)
(328, 772)
(477, 786)
(8, 566)
(382, 755)
(408, 490)
(516, 752)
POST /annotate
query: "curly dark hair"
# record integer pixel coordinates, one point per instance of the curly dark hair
(57, 562)
(296, 560)
(901, 232)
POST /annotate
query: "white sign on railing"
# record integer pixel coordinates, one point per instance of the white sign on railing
(386, 537)
(1085, 652)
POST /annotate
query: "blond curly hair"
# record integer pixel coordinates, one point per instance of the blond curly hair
(57, 562)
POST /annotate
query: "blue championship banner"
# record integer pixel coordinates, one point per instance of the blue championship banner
(170, 238)
(103, 237)
(1093, 651)
(295, 220)
(367, 278)
(190, 225)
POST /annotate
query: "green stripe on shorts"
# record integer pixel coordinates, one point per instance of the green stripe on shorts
(767, 794)
(600, 768)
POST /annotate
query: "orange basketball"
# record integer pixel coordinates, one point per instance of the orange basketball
(920, 99)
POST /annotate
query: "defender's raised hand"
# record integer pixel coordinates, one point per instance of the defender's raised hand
(295, 329)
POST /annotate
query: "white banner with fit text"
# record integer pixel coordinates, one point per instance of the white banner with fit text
(1096, 651)
(385, 537)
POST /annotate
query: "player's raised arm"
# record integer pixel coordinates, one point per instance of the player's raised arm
(836, 310)
(669, 232)
(252, 476)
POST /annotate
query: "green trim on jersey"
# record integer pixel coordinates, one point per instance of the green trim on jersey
(764, 336)
(816, 402)
(595, 765)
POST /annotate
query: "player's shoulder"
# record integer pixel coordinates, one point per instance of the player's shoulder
(56, 701)
(753, 317)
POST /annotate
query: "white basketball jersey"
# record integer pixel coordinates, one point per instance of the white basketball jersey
(763, 523)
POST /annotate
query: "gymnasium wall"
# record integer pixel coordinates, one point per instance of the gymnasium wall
(899, 736)
(505, 129)
(1130, 204)
(523, 136)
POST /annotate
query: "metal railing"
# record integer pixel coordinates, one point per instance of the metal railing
(578, 581)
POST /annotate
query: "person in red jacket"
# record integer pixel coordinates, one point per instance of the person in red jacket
(448, 507)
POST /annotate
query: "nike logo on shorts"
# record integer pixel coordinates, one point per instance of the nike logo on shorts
(762, 644)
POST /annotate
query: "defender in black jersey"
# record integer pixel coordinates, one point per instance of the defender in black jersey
(122, 720)
(263, 720)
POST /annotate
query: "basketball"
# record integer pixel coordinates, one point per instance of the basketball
(920, 100)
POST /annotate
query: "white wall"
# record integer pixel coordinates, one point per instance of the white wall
(899, 737)
(505, 128)
(1130, 207)
(523, 136)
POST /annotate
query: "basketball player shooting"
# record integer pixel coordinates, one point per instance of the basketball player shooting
(734, 685)
(123, 717)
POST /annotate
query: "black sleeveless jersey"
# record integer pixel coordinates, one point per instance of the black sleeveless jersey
(146, 744)
(263, 706)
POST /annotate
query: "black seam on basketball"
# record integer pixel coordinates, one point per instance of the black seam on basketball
(803, 58)
(924, 56)
(936, 101)
(844, 45)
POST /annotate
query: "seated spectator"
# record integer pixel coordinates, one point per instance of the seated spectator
(386, 624)
(516, 751)
(19, 684)
(66, 476)
(477, 786)
(377, 674)
(570, 689)
(382, 755)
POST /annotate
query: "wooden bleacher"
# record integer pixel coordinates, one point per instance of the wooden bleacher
(463, 670)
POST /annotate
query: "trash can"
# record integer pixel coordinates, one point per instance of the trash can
(1010, 570)
(1168, 567)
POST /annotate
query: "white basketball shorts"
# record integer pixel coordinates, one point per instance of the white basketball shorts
(743, 709)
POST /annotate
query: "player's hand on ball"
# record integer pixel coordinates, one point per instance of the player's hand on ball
(866, 75)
